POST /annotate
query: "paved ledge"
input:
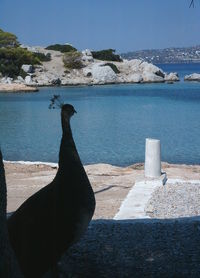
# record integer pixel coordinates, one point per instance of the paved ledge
(133, 207)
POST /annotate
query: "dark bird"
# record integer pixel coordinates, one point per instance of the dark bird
(9, 267)
(55, 217)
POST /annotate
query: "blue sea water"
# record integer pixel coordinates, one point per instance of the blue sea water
(111, 124)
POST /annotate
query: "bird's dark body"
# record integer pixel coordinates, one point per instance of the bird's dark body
(9, 267)
(56, 216)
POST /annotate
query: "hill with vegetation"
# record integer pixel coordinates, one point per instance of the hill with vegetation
(63, 64)
(12, 56)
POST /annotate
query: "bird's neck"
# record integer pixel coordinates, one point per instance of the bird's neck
(67, 133)
(68, 154)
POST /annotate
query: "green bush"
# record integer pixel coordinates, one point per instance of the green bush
(43, 57)
(22, 73)
(8, 39)
(11, 60)
(113, 67)
(61, 47)
(106, 55)
(72, 60)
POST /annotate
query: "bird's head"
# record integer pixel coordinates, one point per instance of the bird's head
(68, 110)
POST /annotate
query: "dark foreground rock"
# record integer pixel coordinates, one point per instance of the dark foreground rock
(136, 248)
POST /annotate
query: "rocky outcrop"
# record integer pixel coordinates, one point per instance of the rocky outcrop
(172, 76)
(134, 78)
(6, 80)
(150, 77)
(137, 71)
(87, 56)
(192, 77)
(150, 68)
(28, 80)
(27, 68)
(103, 74)
(92, 72)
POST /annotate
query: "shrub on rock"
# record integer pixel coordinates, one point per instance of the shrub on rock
(61, 47)
(43, 57)
(72, 60)
(113, 67)
(106, 55)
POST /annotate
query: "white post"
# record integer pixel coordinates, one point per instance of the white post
(152, 158)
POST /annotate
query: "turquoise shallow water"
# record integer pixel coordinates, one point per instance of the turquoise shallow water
(111, 124)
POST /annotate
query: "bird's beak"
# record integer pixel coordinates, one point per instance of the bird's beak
(75, 111)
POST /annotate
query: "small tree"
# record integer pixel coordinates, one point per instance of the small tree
(8, 39)
(12, 58)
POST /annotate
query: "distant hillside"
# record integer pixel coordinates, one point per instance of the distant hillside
(167, 55)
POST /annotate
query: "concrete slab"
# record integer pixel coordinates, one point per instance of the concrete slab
(133, 206)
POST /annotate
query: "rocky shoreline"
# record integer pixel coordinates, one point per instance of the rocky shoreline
(92, 72)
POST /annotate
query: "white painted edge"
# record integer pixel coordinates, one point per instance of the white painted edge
(174, 181)
(32, 163)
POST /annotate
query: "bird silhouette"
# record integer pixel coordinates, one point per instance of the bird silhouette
(9, 267)
(56, 216)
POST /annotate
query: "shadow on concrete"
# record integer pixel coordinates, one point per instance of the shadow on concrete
(136, 248)
(109, 187)
(104, 189)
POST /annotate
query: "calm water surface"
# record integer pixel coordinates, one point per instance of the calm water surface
(111, 124)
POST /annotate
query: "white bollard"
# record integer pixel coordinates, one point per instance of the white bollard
(152, 158)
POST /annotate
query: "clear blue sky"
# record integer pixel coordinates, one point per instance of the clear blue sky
(98, 24)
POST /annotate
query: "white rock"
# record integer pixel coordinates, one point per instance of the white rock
(87, 56)
(87, 52)
(28, 80)
(39, 68)
(3, 80)
(172, 76)
(20, 78)
(103, 74)
(136, 71)
(151, 77)
(87, 72)
(135, 65)
(192, 77)
(29, 48)
(27, 68)
(134, 78)
(148, 67)
(130, 66)
(6, 80)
